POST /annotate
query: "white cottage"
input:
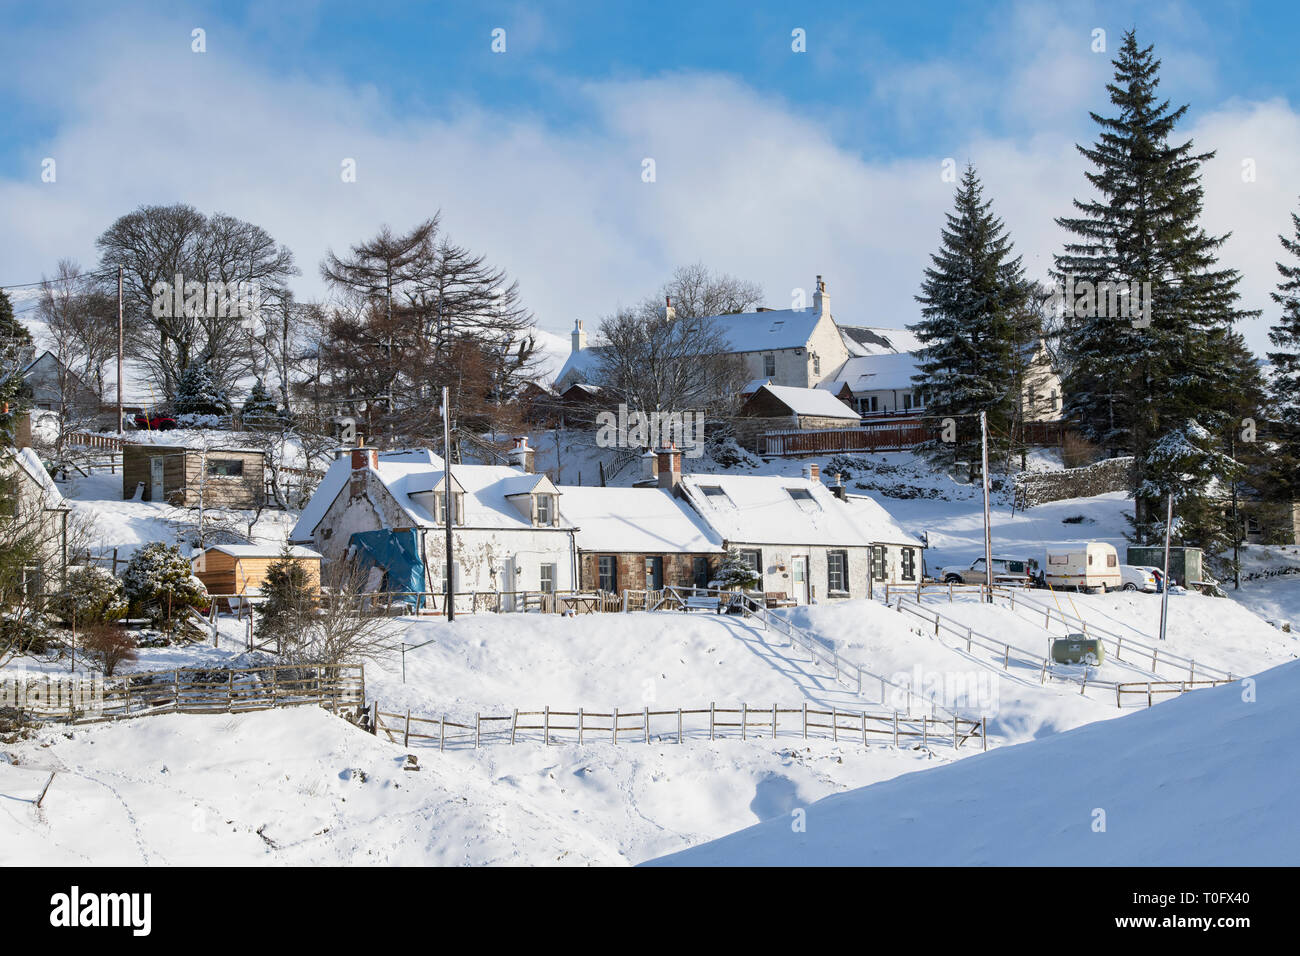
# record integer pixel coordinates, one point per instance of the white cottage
(389, 510)
(802, 540)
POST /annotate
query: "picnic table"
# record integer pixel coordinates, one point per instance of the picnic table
(579, 603)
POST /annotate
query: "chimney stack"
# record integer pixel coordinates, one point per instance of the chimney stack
(812, 472)
(821, 301)
(363, 459)
(579, 337)
(838, 489)
(522, 456)
(670, 467)
(669, 312)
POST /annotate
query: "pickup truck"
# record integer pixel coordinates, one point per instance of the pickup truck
(1005, 571)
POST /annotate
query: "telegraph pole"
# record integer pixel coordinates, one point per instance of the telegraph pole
(120, 425)
(1164, 596)
(988, 535)
(448, 501)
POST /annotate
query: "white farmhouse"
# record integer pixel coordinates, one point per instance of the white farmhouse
(799, 348)
(388, 510)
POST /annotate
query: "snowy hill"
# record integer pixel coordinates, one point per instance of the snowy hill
(1199, 781)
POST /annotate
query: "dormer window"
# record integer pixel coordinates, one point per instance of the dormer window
(544, 510)
(457, 508)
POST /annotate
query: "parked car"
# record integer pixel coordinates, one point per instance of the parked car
(1085, 567)
(1138, 578)
(1005, 571)
(157, 423)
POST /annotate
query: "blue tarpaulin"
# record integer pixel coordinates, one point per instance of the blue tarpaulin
(397, 554)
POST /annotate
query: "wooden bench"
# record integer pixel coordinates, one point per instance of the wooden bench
(777, 599)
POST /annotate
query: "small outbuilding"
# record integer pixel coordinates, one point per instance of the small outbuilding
(185, 476)
(228, 569)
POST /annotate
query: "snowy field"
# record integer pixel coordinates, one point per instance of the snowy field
(1203, 780)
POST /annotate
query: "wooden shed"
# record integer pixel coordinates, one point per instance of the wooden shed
(179, 475)
(241, 568)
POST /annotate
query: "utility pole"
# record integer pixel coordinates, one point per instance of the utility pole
(1236, 522)
(120, 426)
(984, 477)
(1164, 589)
(448, 501)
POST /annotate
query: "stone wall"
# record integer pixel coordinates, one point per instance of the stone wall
(1038, 487)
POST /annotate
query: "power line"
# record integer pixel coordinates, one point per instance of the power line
(84, 275)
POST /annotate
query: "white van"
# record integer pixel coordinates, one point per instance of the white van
(1083, 566)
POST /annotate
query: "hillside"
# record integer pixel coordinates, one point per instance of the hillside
(1194, 782)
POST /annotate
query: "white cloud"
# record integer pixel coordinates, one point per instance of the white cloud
(746, 183)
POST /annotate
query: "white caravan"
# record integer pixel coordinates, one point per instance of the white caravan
(1083, 566)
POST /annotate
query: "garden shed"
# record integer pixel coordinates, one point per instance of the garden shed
(180, 475)
(242, 568)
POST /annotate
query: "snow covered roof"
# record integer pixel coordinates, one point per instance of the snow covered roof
(766, 509)
(31, 464)
(262, 551)
(753, 385)
(763, 331)
(868, 373)
(810, 401)
(410, 476)
(877, 523)
(336, 478)
(874, 340)
(578, 366)
(745, 332)
(642, 520)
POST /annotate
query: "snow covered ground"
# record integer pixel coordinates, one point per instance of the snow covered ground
(1202, 780)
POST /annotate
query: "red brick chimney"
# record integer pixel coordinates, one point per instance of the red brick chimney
(670, 466)
(363, 459)
(812, 472)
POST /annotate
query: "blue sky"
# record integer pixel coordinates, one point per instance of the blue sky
(770, 164)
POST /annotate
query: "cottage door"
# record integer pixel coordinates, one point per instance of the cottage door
(799, 565)
(654, 573)
(155, 479)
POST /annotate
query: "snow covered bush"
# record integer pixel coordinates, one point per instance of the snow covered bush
(733, 572)
(198, 393)
(193, 420)
(94, 596)
(160, 584)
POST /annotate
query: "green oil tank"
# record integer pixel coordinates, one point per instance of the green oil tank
(1078, 649)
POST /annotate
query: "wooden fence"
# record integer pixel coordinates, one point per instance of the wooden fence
(183, 691)
(1149, 689)
(673, 726)
(897, 434)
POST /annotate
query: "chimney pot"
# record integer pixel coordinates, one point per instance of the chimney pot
(812, 472)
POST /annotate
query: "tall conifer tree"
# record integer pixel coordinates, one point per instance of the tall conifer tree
(1136, 377)
(973, 306)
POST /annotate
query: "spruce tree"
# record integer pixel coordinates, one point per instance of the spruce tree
(15, 353)
(972, 327)
(199, 394)
(260, 407)
(1136, 377)
(1284, 387)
